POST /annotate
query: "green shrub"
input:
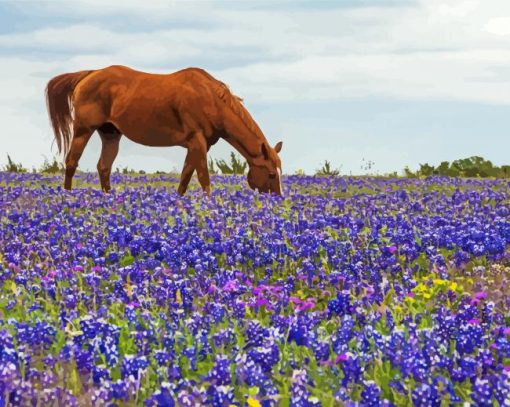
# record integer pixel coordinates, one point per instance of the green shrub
(12, 166)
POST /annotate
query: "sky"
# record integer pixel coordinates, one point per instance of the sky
(393, 82)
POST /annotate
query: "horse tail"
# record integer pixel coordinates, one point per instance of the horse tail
(59, 92)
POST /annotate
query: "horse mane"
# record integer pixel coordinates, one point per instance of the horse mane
(236, 104)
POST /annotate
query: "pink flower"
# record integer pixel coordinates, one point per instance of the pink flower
(477, 298)
(341, 358)
(480, 295)
(474, 321)
(506, 331)
(258, 290)
(392, 249)
(230, 285)
(261, 302)
(303, 305)
(275, 289)
(306, 305)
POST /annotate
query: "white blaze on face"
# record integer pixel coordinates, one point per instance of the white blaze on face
(280, 180)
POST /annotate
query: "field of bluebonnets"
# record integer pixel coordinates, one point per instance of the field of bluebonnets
(347, 290)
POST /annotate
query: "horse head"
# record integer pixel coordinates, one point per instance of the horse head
(265, 173)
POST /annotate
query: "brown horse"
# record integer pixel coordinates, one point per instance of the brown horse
(188, 108)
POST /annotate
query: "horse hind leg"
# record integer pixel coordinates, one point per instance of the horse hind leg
(110, 138)
(81, 136)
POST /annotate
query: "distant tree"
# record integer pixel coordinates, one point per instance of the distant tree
(425, 170)
(236, 166)
(326, 170)
(474, 166)
(445, 169)
(12, 166)
(408, 173)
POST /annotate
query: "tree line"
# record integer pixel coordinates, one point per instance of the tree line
(472, 167)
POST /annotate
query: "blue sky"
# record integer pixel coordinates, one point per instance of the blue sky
(394, 82)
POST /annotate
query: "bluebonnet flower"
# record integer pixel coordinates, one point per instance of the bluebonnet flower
(220, 396)
(162, 397)
(371, 395)
(340, 304)
(133, 366)
(426, 396)
(220, 374)
(300, 395)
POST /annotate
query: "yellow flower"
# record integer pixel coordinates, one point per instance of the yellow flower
(419, 288)
(453, 286)
(439, 282)
(253, 402)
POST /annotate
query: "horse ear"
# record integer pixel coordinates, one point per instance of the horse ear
(265, 153)
(278, 147)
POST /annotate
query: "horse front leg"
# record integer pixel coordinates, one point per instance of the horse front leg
(197, 159)
(187, 172)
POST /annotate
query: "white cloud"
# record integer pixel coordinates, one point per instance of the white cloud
(498, 26)
(430, 50)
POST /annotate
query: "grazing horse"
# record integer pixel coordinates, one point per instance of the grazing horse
(188, 108)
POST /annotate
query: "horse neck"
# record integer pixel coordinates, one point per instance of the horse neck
(249, 148)
(247, 139)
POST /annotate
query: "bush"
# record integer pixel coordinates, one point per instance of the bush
(326, 170)
(53, 167)
(211, 167)
(236, 167)
(13, 167)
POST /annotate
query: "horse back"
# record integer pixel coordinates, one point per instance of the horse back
(155, 104)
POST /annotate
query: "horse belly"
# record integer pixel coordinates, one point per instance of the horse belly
(149, 128)
(154, 137)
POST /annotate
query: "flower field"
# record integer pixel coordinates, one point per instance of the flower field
(347, 291)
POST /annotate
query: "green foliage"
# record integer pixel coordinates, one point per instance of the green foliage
(211, 167)
(51, 167)
(326, 170)
(12, 166)
(236, 166)
(126, 170)
(474, 167)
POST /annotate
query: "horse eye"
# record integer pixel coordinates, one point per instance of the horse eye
(272, 175)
